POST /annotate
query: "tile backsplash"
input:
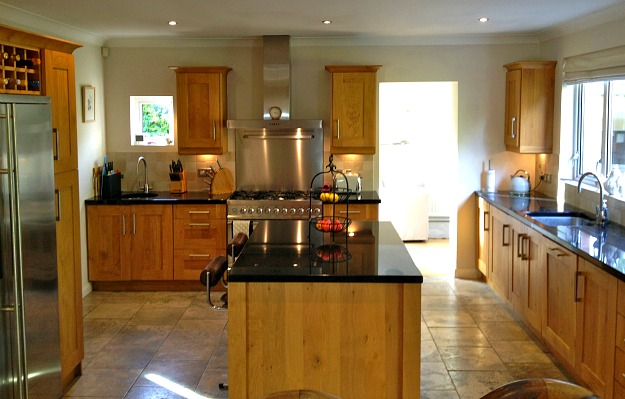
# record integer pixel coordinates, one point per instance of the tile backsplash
(158, 168)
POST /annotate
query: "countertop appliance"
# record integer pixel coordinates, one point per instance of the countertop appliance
(29, 335)
(520, 185)
(275, 157)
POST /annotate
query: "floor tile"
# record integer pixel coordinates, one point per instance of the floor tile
(209, 383)
(471, 359)
(425, 332)
(104, 382)
(458, 336)
(155, 314)
(489, 312)
(440, 302)
(503, 331)
(439, 318)
(102, 327)
(536, 370)
(185, 373)
(475, 384)
(429, 353)
(447, 394)
(520, 352)
(114, 311)
(434, 377)
(139, 392)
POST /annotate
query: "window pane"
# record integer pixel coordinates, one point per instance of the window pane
(592, 126)
(618, 123)
(155, 119)
(151, 120)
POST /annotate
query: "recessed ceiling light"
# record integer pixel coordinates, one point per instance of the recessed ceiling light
(172, 23)
(326, 22)
(483, 19)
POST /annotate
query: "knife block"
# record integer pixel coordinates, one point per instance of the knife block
(178, 186)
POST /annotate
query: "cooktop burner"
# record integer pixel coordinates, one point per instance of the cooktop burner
(268, 195)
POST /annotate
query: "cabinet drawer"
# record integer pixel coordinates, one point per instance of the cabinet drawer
(200, 213)
(355, 211)
(199, 234)
(620, 305)
(189, 263)
(619, 367)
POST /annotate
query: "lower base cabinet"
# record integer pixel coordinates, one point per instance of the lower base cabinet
(596, 315)
(576, 308)
(128, 242)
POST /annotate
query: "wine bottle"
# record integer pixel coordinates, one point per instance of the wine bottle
(15, 57)
(4, 56)
(28, 63)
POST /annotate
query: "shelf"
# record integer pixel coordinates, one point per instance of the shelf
(17, 79)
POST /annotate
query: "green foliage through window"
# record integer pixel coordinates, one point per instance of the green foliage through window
(155, 119)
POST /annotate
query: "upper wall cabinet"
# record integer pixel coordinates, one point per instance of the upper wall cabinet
(529, 107)
(201, 109)
(354, 109)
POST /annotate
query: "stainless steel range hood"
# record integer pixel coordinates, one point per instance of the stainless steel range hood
(276, 91)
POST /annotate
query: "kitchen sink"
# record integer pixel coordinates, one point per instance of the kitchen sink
(564, 218)
(138, 195)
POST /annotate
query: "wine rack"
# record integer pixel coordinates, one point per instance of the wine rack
(20, 70)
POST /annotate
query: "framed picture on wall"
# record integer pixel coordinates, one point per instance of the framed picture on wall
(88, 104)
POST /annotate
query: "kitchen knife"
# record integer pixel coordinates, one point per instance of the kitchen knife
(219, 164)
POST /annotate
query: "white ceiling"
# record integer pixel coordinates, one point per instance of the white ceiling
(124, 19)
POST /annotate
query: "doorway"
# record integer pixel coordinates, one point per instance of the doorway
(418, 159)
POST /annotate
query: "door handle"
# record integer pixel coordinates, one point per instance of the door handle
(519, 244)
(577, 276)
(55, 132)
(338, 129)
(513, 125)
(503, 235)
(58, 205)
(524, 255)
(214, 131)
(486, 218)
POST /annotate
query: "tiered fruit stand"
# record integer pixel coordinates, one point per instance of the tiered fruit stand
(335, 243)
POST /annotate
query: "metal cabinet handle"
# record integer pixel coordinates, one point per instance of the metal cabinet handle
(503, 235)
(199, 212)
(519, 244)
(134, 224)
(55, 132)
(528, 239)
(486, 218)
(123, 224)
(348, 212)
(577, 276)
(199, 224)
(557, 252)
(214, 131)
(199, 255)
(57, 193)
(512, 127)
(338, 129)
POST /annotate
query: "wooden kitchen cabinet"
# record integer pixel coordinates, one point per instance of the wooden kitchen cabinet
(559, 327)
(483, 236)
(59, 85)
(527, 274)
(354, 109)
(596, 317)
(69, 274)
(130, 242)
(199, 236)
(201, 109)
(354, 211)
(501, 252)
(529, 107)
(619, 343)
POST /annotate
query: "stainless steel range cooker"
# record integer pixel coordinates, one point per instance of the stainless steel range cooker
(263, 205)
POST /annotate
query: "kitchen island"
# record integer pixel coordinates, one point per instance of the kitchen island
(335, 312)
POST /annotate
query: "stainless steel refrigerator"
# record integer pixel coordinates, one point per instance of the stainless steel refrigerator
(30, 365)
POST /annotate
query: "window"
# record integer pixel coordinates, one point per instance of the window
(152, 120)
(599, 126)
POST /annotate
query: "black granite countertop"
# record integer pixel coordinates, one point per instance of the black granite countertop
(294, 251)
(203, 197)
(602, 246)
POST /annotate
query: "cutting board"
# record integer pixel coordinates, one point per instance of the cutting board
(223, 182)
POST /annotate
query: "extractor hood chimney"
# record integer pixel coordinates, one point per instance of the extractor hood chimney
(276, 91)
(276, 76)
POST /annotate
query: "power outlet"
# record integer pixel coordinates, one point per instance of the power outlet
(203, 172)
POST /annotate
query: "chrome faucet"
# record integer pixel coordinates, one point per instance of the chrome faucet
(145, 187)
(601, 209)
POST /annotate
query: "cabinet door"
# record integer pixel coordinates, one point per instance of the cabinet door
(69, 274)
(107, 231)
(597, 292)
(59, 85)
(354, 109)
(354, 211)
(501, 252)
(559, 325)
(527, 275)
(513, 109)
(150, 251)
(483, 237)
(201, 110)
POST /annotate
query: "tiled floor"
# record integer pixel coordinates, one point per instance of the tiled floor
(160, 345)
